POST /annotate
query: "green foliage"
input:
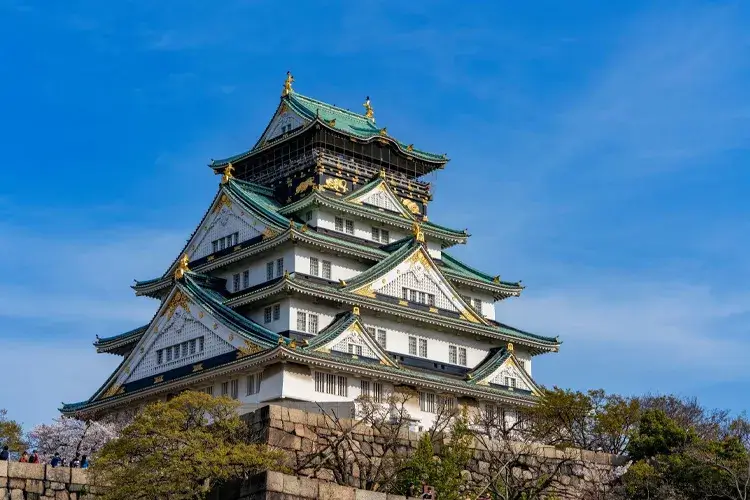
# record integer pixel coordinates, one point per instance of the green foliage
(11, 433)
(180, 449)
(658, 434)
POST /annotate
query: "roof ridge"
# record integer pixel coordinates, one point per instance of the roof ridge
(333, 106)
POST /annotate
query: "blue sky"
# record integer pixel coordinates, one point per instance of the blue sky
(599, 153)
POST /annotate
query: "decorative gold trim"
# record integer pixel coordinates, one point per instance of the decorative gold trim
(332, 123)
(269, 233)
(287, 84)
(227, 173)
(182, 267)
(342, 283)
(197, 367)
(510, 346)
(224, 201)
(410, 205)
(159, 379)
(403, 303)
(410, 147)
(248, 349)
(369, 112)
(113, 391)
(336, 184)
(418, 234)
(355, 310)
(383, 131)
(304, 185)
(178, 300)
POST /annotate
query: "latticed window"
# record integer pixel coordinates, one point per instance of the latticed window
(355, 349)
(314, 266)
(308, 216)
(413, 345)
(339, 224)
(201, 343)
(192, 346)
(312, 323)
(462, 356)
(320, 382)
(381, 338)
(377, 392)
(380, 235)
(423, 347)
(446, 402)
(301, 321)
(276, 311)
(225, 388)
(236, 282)
(342, 386)
(159, 356)
(510, 381)
(452, 354)
(269, 271)
(350, 227)
(245, 279)
(267, 312)
(253, 384)
(234, 389)
(209, 390)
(327, 269)
(279, 267)
(427, 402)
(364, 388)
(478, 305)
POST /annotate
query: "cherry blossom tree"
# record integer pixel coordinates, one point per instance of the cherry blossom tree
(68, 436)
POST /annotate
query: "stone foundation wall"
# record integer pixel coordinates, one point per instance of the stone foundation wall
(21, 481)
(298, 433)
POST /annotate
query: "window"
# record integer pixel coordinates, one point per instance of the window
(478, 305)
(355, 349)
(489, 411)
(192, 346)
(522, 364)
(329, 383)
(327, 269)
(349, 227)
(452, 354)
(314, 266)
(377, 392)
(312, 323)
(339, 224)
(427, 402)
(253, 384)
(169, 355)
(159, 356)
(364, 388)
(225, 388)
(413, 346)
(200, 344)
(234, 389)
(423, 347)
(279, 267)
(209, 390)
(446, 402)
(510, 381)
(301, 321)
(417, 296)
(276, 311)
(308, 216)
(225, 242)
(370, 330)
(222, 244)
(380, 235)
(215, 246)
(462, 356)
(236, 282)
(267, 314)
(269, 271)
(245, 279)
(381, 338)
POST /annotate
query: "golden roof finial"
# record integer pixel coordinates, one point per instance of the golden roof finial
(293, 344)
(417, 230)
(287, 84)
(355, 310)
(510, 346)
(383, 131)
(182, 267)
(382, 173)
(227, 174)
(368, 109)
(281, 340)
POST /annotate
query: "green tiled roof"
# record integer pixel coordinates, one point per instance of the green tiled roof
(492, 362)
(383, 266)
(341, 322)
(347, 122)
(104, 344)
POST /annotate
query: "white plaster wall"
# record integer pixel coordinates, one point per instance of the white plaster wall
(325, 218)
(342, 268)
(217, 225)
(256, 264)
(434, 249)
(325, 313)
(278, 325)
(488, 303)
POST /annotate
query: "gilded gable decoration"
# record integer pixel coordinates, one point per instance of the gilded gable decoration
(178, 300)
(336, 184)
(368, 109)
(182, 267)
(287, 84)
(227, 173)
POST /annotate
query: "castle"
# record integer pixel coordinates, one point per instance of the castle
(315, 274)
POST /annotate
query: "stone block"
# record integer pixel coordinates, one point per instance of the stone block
(3, 469)
(54, 485)
(391, 496)
(77, 487)
(369, 495)
(3, 484)
(62, 495)
(274, 481)
(16, 494)
(26, 471)
(324, 475)
(281, 439)
(58, 474)
(297, 416)
(4, 493)
(32, 496)
(299, 430)
(79, 476)
(291, 485)
(331, 490)
(34, 486)
(16, 483)
(311, 419)
(289, 427)
(308, 488)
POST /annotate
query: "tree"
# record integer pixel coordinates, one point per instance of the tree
(69, 436)
(11, 433)
(180, 450)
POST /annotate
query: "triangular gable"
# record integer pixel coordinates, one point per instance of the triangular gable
(180, 319)
(413, 271)
(348, 335)
(501, 369)
(379, 194)
(283, 121)
(230, 213)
